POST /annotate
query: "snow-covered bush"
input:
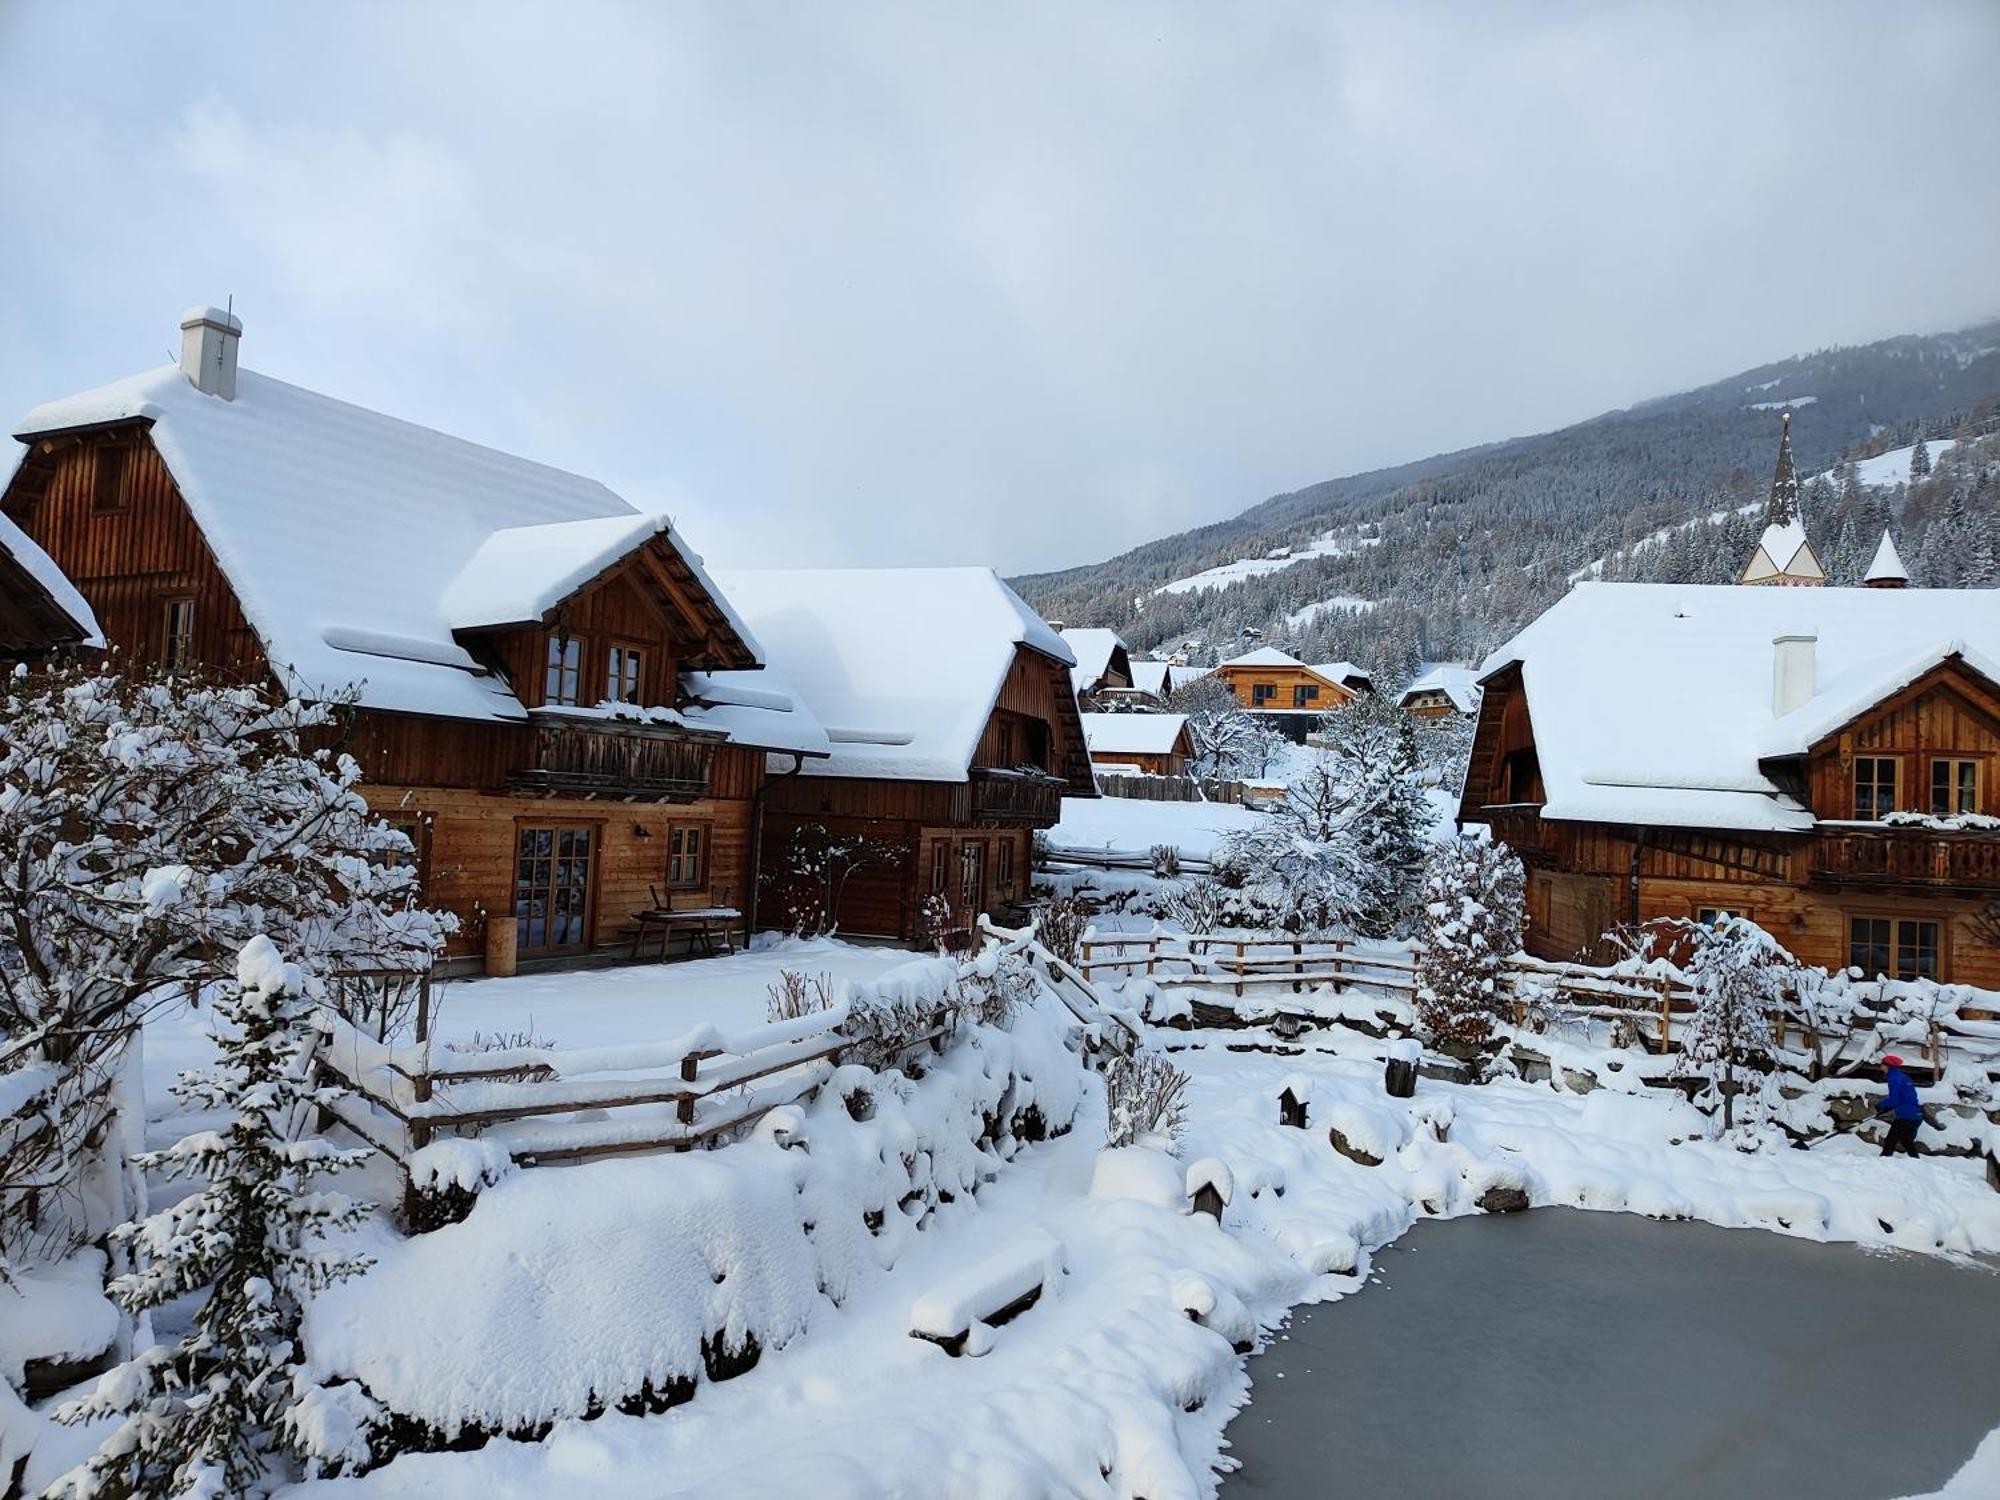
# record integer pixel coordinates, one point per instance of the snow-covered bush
(214, 1413)
(1060, 926)
(1228, 741)
(1473, 902)
(1145, 1099)
(1199, 904)
(794, 994)
(1166, 860)
(935, 921)
(153, 826)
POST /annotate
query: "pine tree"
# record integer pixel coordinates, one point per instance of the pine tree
(1474, 901)
(1920, 461)
(214, 1414)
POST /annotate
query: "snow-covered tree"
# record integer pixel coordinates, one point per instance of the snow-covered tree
(1228, 740)
(1371, 752)
(1920, 461)
(149, 827)
(1474, 900)
(1741, 976)
(215, 1413)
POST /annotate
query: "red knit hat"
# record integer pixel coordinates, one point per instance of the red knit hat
(1892, 1061)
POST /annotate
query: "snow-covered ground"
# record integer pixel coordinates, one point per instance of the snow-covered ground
(1886, 470)
(1128, 825)
(1107, 1386)
(1227, 575)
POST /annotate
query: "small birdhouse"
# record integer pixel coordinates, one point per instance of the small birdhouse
(1291, 1108)
(1207, 1200)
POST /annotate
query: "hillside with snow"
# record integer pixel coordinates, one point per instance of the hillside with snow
(1446, 556)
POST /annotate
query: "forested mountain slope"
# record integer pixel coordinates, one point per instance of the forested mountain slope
(1446, 556)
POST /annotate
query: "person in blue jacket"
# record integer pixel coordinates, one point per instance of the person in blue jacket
(1901, 1103)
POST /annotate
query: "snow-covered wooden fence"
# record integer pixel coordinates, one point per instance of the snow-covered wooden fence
(1146, 788)
(1536, 990)
(547, 1104)
(1117, 859)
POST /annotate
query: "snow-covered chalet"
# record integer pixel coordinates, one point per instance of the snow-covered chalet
(552, 697)
(1824, 761)
(1292, 693)
(953, 733)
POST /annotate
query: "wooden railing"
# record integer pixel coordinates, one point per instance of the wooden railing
(1908, 856)
(577, 758)
(1655, 1008)
(1014, 797)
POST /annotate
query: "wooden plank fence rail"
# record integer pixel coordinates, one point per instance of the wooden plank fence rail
(1656, 1006)
(1168, 788)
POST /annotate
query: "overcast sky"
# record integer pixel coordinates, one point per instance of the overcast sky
(1018, 284)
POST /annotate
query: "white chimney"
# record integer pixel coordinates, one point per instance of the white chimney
(1791, 672)
(209, 337)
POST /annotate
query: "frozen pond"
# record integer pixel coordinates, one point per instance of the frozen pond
(1561, 1354)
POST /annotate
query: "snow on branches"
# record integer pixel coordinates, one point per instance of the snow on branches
(214, 1413)
(1741, 978)
(817, 865)
(150, 826)
(1473, 900)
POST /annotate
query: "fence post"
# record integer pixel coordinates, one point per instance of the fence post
(1239, 968)
(1298, 963)
(1666, 1015)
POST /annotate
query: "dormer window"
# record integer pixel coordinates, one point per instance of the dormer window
(565, 670)
(624, 670)
(107, 484)
(1954, 787)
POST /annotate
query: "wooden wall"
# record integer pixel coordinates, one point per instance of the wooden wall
(1947, 712)
(129, 562)
(1242, 681)
(472, 842)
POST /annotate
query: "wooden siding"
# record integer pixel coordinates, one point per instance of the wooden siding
(1950, 712)
(472, 844)
(1174, 764)
(1243, 682)
(131, 561)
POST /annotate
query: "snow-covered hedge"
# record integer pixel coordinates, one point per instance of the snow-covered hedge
(569, 1291)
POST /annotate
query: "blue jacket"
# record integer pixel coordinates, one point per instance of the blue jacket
(1902, 1100)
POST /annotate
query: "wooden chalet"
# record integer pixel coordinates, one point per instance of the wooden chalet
(1151, 744)
(1293, 693)
(1103, 670)
(952, 725)
(1444, 691)
(1824, 763)
(551, 696)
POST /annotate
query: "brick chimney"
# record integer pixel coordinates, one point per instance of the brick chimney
(209, 337)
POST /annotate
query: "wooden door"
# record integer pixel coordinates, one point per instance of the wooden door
(554, 869)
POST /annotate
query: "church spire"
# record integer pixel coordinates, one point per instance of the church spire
(1782, 508)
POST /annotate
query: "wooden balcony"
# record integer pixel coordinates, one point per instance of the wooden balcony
(1519, 826)
(1919, 858)
(616, 760)
(1015, 798)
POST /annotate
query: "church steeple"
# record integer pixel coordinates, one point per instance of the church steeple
(1783, 554)
(1782, 508)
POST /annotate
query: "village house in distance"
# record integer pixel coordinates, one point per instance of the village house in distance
(1293, 695)
(554, 700)
(1823, 761)
(950, 711)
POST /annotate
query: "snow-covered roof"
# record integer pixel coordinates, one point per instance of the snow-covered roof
(1094, 650)
(1160, 678)
(1459, 684)
(1266, 656)
(1784, 550)
(1887, 566)
(759, 708)
(356, 542)
(1346, 673)
(41, 568)
(1132, 734)
(1653, 703)
(902, 666)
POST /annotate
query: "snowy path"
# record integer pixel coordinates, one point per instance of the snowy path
(1108, 1389)
(1606, 1355)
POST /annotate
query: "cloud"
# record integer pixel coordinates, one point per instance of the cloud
(1021, 284)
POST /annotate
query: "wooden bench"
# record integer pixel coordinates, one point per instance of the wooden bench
(703, 925)
(960, 1312)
